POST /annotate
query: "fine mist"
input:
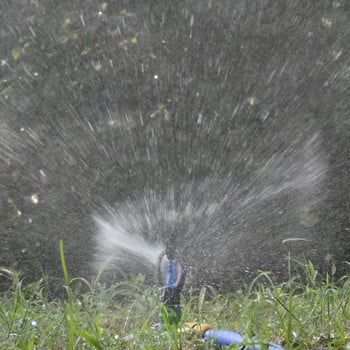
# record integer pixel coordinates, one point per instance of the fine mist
(227, 226)
(224, 122)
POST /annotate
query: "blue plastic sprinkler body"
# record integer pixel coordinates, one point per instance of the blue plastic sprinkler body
(171, 284)
(172, 274)
(227, 337)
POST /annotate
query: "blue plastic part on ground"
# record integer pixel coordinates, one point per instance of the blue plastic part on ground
(227, 337)
(223, 336)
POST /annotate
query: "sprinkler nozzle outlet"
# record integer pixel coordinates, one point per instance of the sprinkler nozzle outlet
(170, 248)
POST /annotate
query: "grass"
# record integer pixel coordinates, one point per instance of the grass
(300, 315)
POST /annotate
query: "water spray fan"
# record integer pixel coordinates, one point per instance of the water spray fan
(171, 283)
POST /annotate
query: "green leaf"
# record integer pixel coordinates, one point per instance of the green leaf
(159, 109)
(90, 338)
(86, 51)
(64, 265)
(126, 13)
(6, 90)
(133, 40)
(16, 53)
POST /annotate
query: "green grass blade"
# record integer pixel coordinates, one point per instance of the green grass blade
(89, 338)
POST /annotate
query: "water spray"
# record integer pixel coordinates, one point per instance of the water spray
(171, 283)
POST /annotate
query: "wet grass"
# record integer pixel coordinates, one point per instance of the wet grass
(300, 315)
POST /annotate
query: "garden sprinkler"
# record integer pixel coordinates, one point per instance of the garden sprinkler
(171, 281)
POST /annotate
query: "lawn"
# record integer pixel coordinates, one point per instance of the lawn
(306, 312)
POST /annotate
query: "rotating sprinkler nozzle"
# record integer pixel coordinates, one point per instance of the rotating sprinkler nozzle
(171, 278)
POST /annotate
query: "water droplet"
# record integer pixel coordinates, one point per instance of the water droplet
(327, 22)
(42, 173)
(336, 54)
(32, 31)
(82, 20)
(97, 66)
(253, 101)
(35, 198)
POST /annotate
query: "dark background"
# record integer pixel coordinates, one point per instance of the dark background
(107, 103)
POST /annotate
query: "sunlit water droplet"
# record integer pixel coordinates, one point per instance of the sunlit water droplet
(35, 198)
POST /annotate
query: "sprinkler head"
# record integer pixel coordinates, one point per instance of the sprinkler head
(170, 248)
